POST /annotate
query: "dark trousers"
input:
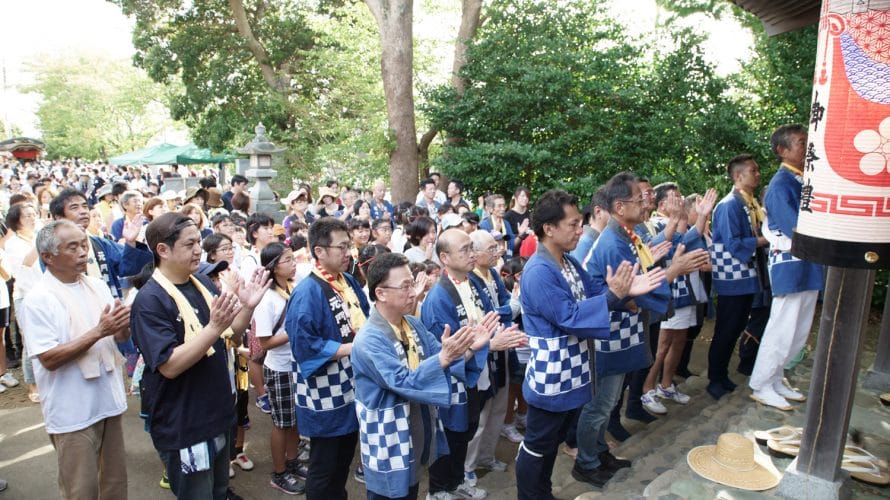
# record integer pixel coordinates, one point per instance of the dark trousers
(537, 453)
(447, 473)
(572, 435)
(212, 483)
(732, 316)
(329, 462)
(412, 495)
(749, 344)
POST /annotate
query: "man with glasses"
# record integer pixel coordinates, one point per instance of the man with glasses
(459, 299)
(480, 452)
(401, 374)
(325, 312)
(381, 232)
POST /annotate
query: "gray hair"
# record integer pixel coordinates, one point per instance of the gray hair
(129, 195)
(481, 238)
(47, 241)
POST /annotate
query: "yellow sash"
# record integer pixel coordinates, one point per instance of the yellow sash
(190, 320)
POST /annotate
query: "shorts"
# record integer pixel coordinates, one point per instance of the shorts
(683, 318)
(280, 388)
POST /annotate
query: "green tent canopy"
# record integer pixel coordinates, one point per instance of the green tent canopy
(167, 154)
(134, 157)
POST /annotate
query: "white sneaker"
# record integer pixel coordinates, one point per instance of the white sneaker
(521, 420)
(8, 380)
(671, 393)
(2, 388)
(465, 490)
(652, 404)
(494, 465)
(788, 393)
(512, 434)
(440, 495)
(231, 471)
(243, 462)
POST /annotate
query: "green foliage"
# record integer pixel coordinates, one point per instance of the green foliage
(93, 107)
(559, 96)
(328, 111)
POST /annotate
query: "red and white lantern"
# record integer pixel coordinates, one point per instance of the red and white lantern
(845, 207)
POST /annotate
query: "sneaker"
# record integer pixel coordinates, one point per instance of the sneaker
(243, 462)
(440, 495)
(494, 465)
(671, 393)
(636, 412)
(3, 484)
(512, 434)
(617, 430)
(231, 495)
(652, 404)
(469, 492)
(729, 385)
(164, 482)
(611, 463)
(263, 404)
(303, 457)
(2, 388)
(287, 483)
(471, 478)
(788, 393)
(8, 380)
(521, 420)
(716, 390)
(359, 474)
(297, 469)
(597, 477)
(231, 471)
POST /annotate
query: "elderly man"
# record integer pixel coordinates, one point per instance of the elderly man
(401, 372)
(480, 452)
(72, 323)
(380, 208)
(459, 299)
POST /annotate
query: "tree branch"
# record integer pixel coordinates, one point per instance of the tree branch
(278, 82)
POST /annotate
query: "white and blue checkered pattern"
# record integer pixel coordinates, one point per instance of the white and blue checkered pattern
(628, 328)
(777, 257)
(680, 286)
(328, 390)
(458, 392)
(557, 365)
(385, 440)
(727, 267)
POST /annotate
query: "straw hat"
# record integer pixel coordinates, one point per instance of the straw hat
(214, 197)
(169, 195)
(731, 462)
(326, 191)
(293, 195)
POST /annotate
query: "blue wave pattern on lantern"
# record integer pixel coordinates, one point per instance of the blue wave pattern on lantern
(869, 78)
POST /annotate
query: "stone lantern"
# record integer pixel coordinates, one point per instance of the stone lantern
(260, 150)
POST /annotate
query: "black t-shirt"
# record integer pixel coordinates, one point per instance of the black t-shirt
(198, 404)
(515, 219)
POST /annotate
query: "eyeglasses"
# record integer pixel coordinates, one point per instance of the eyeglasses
(641, 200)
(402, 287)
(344, 247)
(492, 249)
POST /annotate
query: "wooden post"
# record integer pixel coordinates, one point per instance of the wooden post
(844, 310)
(878, 376)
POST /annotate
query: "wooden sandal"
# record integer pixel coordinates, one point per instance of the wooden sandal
(789, 447)
(868, 470)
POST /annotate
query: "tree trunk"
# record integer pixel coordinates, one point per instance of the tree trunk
(394, 19)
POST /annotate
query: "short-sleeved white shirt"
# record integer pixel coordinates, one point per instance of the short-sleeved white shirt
(69, 401)
(266, 314)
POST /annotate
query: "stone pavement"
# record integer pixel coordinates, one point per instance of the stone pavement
(658, 450)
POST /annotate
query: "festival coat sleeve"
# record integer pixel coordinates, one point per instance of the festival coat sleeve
(607, 254)
(303, 324)
(554, 302)
(735, 229)
(438, 311)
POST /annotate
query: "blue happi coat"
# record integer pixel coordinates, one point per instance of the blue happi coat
(324, 387)
(691, 240)
(399, 428)
(438, 310)
(733, 244)
(787, 273)
(557, 377)
(625, 349)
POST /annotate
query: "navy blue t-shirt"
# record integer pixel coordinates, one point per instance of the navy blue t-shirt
(198, 404)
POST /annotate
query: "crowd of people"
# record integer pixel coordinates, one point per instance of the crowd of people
(420, 333)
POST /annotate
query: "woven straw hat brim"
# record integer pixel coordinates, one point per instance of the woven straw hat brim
(701, 460)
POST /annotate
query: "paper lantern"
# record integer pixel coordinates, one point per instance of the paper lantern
(845, 204)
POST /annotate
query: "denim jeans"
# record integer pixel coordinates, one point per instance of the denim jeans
(209, 484)
(594, 419)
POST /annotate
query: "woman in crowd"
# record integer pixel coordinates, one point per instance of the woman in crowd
(195, 213)
(361, 210)
(154, 207)
(44, 196)
(22, 262)
(422, 236)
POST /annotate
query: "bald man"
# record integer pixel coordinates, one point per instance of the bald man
(380, 208)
